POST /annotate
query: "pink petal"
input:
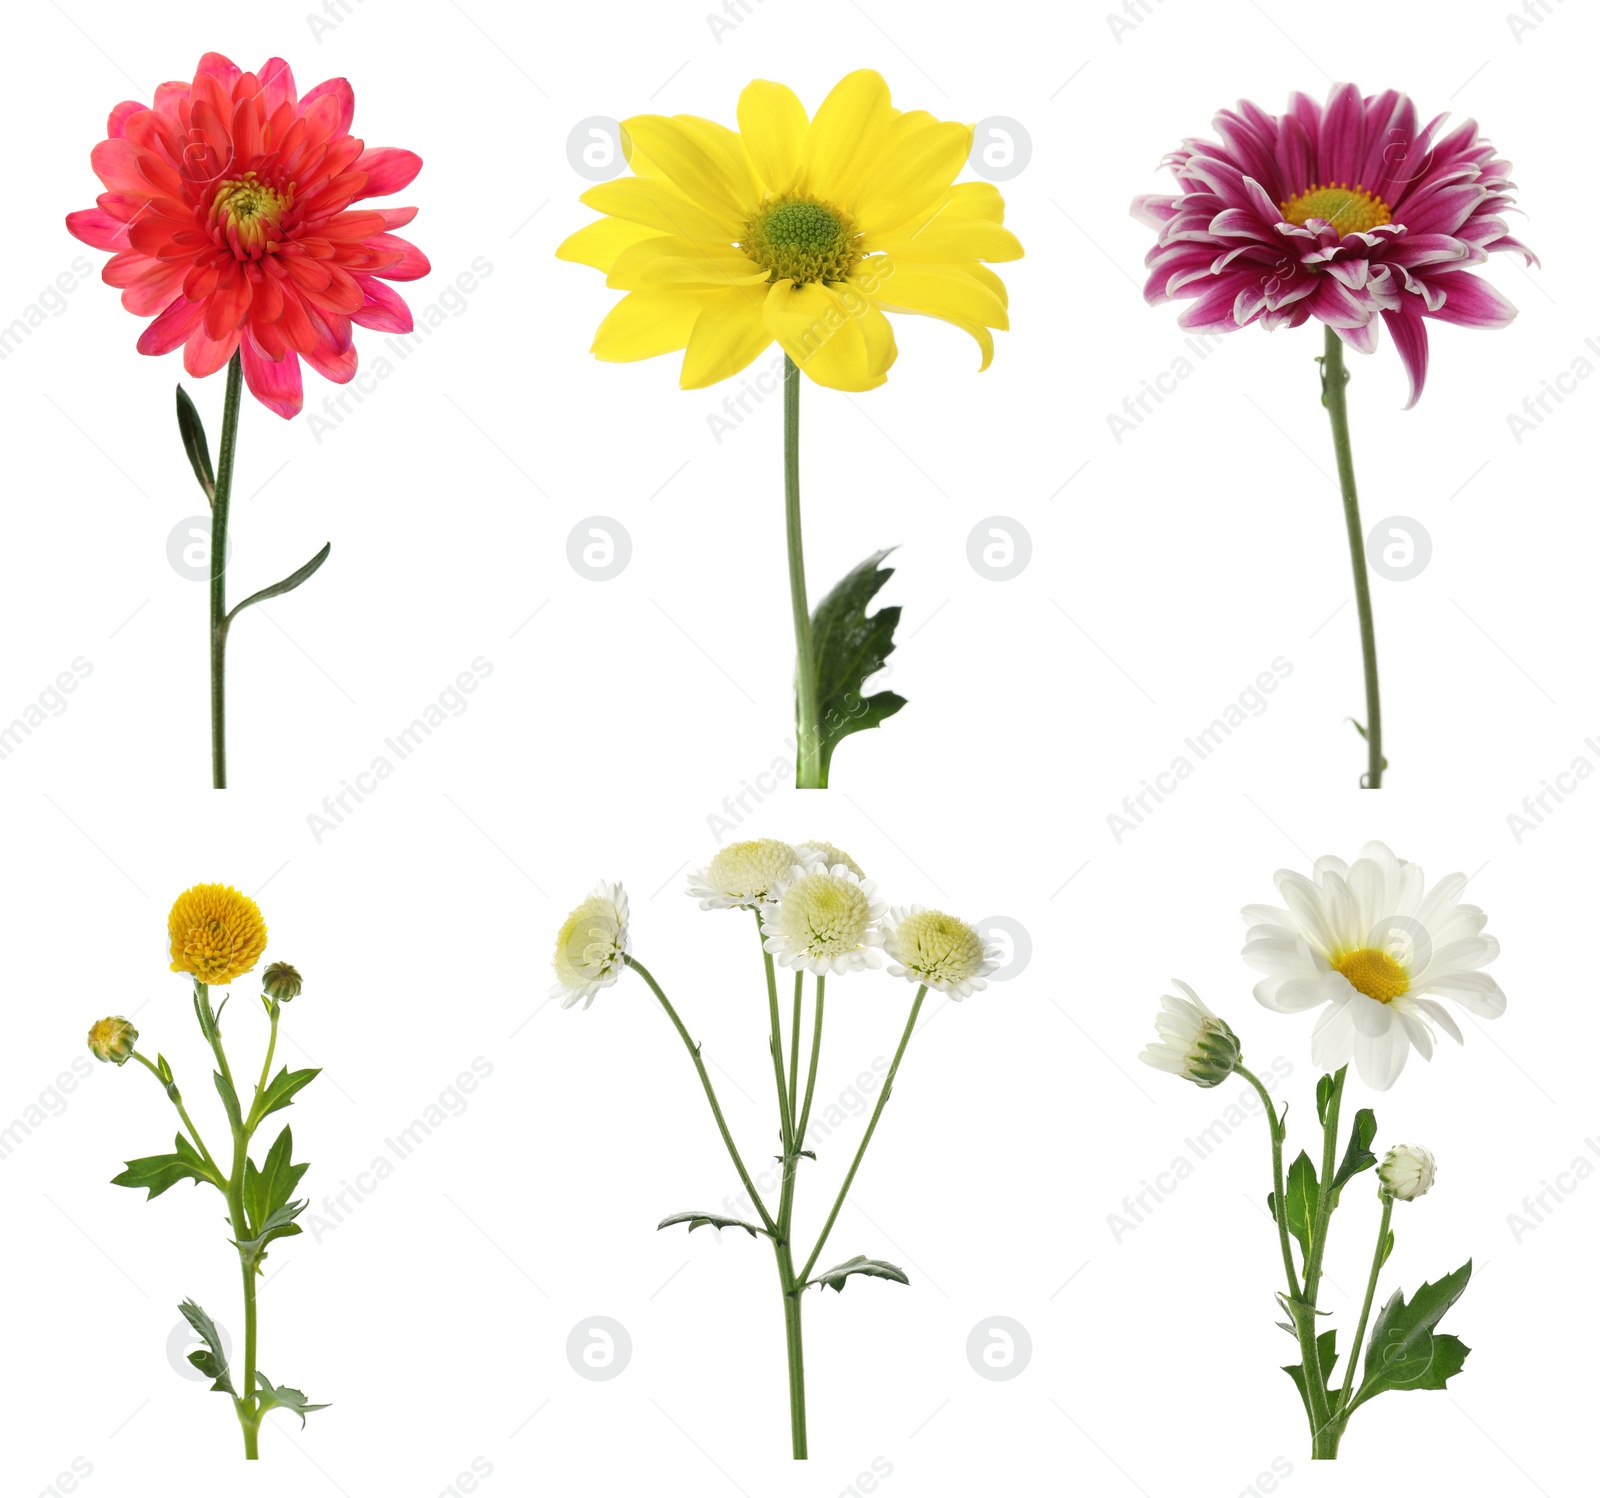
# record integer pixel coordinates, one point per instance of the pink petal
(383, 309)
(276, 385)
(1471, 301)
(1411, 338)
(94, 226)
(388, 169)
(172, 328)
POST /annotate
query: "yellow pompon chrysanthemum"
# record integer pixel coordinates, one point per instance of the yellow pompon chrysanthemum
(795, 230)
(216, 933)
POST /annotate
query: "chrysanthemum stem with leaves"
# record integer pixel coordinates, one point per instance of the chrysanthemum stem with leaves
(1379, 1253)
(809, 772)
(219, 569)
(1334, 379)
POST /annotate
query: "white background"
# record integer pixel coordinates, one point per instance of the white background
(1167, 571)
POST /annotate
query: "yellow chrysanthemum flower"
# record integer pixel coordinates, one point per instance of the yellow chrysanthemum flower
(216, 933)
(801, 231)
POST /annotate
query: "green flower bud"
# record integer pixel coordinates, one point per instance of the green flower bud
(1195, 1044)
(112, 1039)
(281, 982)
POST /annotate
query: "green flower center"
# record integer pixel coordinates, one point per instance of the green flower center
(797, 238)
(825, 915)
(938, 946)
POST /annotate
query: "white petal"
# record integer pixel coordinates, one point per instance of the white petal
(1333, 1039)
(1381, 1058)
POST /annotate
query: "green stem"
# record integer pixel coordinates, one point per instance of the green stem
(188, 1123)
(811, 1070)
(219, 569)
(1366, 1304)
(1275, 1128)
(711, 1094)
(866, 1139)
(775, 1045)
(794, 1048)
(792, 1291)
(1319, 1227)
(1334, 379)
(809, 771)
(266, 1066)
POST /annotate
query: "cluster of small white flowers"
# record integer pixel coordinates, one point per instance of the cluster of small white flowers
(818, 912)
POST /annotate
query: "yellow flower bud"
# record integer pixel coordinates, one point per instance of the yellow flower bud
(112, 1039)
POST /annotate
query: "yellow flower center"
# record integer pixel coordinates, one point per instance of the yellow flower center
(1374, 973)
(824, 915)
(248, 212)
(209, 946)
(801, 239)
(938, 947)
(1351, 210)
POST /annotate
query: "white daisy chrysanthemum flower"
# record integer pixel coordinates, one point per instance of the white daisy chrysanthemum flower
(1371, 943)
(824, 921)
(591, 946)
(1195, 1044)
(744, 876)
(1408, 1170)
(928, 946)
(826, 855)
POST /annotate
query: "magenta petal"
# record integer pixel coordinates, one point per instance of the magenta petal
(1411, 338)
(1470, 301)
(383, 310)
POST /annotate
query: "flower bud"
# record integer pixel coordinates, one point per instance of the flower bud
(1407, 1171)
(112, 1039)
(1195, 1044)
(280, 982)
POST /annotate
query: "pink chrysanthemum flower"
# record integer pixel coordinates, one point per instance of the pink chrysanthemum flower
(227, 203)
(1344, 212)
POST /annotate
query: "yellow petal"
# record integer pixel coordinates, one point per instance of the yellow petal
(728, 334)
(907, 178)
(773, 123)
(986, 277)
(820, 335)
(646, 323)
(976, 200)
(664, 260)
(876, 331)
(846, 135)
(598, 244)
(695, 165)
(651, 201)
(948, 239)
(733, 154)
(946, 291)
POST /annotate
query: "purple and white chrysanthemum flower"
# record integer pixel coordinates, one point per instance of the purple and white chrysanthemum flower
(1372, 945)
(1347, 212)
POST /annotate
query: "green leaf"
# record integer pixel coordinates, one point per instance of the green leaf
(707, 1219)
(1388, 1248)
(279, 1224)
(230, 1098)
(849, 645)
(287, 585)
(1324, 1093)
(1359, 728)
(270, 1187)
(158, 1173)
(1301, 1206)
(1404, 1351)
(1357, 1157)
(284, 1398)
(1326, 1355)
(877, 1269)
(193, 432)
(281, 1089)
(210, 1359)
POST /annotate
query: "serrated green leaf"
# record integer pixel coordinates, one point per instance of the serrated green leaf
(877, 1269)
(283, 1398)
(210, 1359)
(707, 1219)
(286, 585)
(158, 1173)
(193, 433)
(1357, 1157)
(1326, 1355)
(281, 1089)
(267, 1189)
(279, 1224)
(1404, 1351)
(848, 646)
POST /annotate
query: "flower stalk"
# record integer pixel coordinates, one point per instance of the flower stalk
(809, 771)
(1334, 379)
(220, 503)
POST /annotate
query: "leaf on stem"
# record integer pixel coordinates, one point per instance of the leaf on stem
(1300, 1205)
(1359, 728)
(708, 1219)
(287, 585)
(158, 1173)
(230, 1098)
(1357, 1156)
(849, 645)
(278, 1224)
(280, 1091)
(877, 1269)
(1326, 1355)
(210, 1359)
(193, 432)
(1324, 1094)
(284, 1398)
(1404, 1351)
(270, 1187)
